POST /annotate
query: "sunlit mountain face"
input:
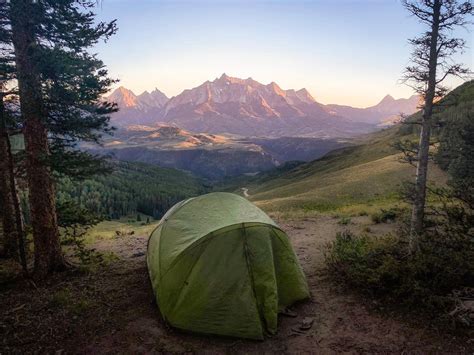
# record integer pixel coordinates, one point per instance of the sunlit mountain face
(248, 108)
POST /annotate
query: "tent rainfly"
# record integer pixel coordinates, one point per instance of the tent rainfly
(219, 265)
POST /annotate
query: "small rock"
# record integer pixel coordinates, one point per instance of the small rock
(306, 323)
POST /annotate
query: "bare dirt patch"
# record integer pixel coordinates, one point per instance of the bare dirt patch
(111, 310)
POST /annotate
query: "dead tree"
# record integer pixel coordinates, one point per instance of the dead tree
(431, 64)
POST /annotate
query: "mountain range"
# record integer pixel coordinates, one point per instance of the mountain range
(248, 108)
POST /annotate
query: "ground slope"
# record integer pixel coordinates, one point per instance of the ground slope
(111, 310)
(367, 173)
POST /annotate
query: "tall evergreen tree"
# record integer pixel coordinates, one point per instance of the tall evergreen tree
(431, 65)
(60, 86)
(10, 232)
(11, 217)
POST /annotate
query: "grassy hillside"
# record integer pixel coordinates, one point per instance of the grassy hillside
(359, 178)
(368, 174)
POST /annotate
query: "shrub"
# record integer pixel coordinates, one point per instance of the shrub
(376, 218)
(382, 267)
(385, 216)
(344, 221)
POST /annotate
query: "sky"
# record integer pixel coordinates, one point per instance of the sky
(350, 52)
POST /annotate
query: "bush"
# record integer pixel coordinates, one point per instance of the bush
(344, 221)
(382, 267)
(385, 216)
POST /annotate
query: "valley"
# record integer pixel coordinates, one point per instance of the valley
(210, 156)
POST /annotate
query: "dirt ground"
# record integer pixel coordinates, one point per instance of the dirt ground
(111, 310)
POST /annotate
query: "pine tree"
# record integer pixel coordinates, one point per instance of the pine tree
(60, 84)
(10, 232)
(13, 231)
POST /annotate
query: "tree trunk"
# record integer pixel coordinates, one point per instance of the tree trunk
(48, 254)
(18, 216)
(418, 212)
(10, 232)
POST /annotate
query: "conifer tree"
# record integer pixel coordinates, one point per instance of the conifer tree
(9, 202)
(10, 233)
(60, 87)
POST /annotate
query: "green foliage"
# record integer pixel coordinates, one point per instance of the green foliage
(441, 266)
(72, 80)
(61, 298)
(74, 222)
(131, 188)
(383, 268)
(456, 147)
(65, 299)
(386, 215)
(344, 221)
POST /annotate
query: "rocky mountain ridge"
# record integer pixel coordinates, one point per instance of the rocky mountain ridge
(248, 108)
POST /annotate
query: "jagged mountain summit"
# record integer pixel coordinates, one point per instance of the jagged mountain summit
(153, 99)
(124, 98)
(246, 107)
(137, 109)
(249, 108)
(241, 98)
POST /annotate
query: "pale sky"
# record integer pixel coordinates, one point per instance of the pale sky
(343, 51)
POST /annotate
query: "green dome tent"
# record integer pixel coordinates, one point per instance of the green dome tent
(219, 265)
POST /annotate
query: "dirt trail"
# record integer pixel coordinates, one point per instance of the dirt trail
(122, 318)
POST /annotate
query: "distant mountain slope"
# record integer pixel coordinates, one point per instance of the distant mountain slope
(206, 155)
(286, 149)
(248, 108)
(385, 113)
(368, 173)
(209, 155)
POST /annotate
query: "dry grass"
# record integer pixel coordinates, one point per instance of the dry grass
(353, 181)
(126, 225)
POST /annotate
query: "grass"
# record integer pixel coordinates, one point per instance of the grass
(356, 180)
(65, 299)
(125, 225)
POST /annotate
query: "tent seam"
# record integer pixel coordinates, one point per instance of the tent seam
(252, 281)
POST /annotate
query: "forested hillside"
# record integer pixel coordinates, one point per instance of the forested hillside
(131, 188)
